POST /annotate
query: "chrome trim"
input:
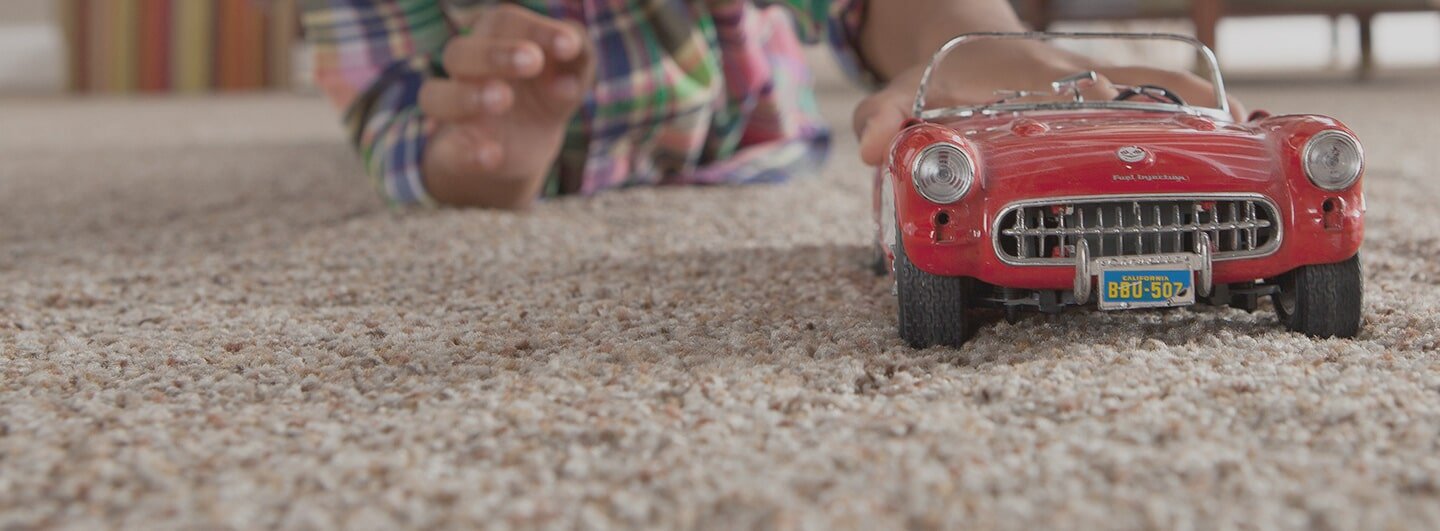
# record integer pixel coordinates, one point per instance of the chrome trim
(1074, 82)
(965, 112)
(887, 222)
(1204, 228)
(1205, 280)
(1082, 272)
(1310, 143)
(915, 171)
(1216, 78)
(889, 235)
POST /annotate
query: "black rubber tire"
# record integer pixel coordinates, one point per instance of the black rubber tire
(1322, 300)
(932, 308)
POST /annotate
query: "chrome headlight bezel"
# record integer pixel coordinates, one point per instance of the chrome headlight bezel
(943, 192)
(1349, 141)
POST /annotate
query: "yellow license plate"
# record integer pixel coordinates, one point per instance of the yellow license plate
(1129, 288)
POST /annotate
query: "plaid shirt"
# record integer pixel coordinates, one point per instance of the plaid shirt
(727, 100)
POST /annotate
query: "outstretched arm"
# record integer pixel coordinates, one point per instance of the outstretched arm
(371, 57)
(898, 39)
(931, 23)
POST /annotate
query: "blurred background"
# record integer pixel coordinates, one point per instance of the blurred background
(209, 319)
(199, 46)
(150, 46)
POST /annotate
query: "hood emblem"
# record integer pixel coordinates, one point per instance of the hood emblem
(1132, 154)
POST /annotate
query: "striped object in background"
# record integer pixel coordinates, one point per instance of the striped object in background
(100, 63)
(73, 15)
(122, 47)
(155, 46)
(190, 54)
(154, 50)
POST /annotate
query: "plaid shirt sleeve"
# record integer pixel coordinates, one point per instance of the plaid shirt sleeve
(838, 23)
(371, 57)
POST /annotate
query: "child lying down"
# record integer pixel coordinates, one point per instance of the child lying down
(494, 104)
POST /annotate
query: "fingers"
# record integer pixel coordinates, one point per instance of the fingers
(511, 43)
(1102, 90)
(459, 152)
(1237, 109)
(877, 120)
(480, 57)
(447, 100)
(463, 166)
(572, 79)
(1190, 87)
(562, 41)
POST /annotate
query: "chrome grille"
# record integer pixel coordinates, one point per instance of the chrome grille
(1046, 232)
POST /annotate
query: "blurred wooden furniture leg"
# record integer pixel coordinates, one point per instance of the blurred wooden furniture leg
(1037, 14)
(1206, 15)
(1367, 44)
(1335, 41)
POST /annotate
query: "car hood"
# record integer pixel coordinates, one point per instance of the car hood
(1052, 150)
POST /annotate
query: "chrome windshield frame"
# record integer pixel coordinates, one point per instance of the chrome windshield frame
(1213, 66)
(993, 110)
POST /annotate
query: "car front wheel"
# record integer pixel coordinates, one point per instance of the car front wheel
(932, 307)
(1322, 300)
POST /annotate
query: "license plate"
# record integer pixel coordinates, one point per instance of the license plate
(1127, 286)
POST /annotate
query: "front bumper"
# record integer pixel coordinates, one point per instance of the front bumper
(958, 240)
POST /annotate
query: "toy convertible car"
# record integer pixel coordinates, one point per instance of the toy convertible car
(1145, 201)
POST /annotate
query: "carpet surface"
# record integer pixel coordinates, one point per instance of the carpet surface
(208, 320)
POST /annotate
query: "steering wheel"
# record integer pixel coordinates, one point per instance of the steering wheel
(1154, 92)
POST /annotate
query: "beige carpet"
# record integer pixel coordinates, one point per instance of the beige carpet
(206, 320)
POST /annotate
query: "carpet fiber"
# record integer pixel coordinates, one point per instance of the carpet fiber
(207, 319)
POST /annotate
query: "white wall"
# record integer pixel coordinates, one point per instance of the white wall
(1269, 45)
(25, 11)
(32, 57)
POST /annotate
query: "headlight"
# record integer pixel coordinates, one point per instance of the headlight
(943, 173)
(1333, 160)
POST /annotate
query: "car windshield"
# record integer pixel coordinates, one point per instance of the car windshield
(1009, 104)
(1068, 93)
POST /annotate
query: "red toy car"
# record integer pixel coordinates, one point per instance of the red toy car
(1145, 201)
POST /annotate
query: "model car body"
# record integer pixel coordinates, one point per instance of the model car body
(1141, 202)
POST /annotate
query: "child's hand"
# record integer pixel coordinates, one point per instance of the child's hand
(515, 80)
(971, 77)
